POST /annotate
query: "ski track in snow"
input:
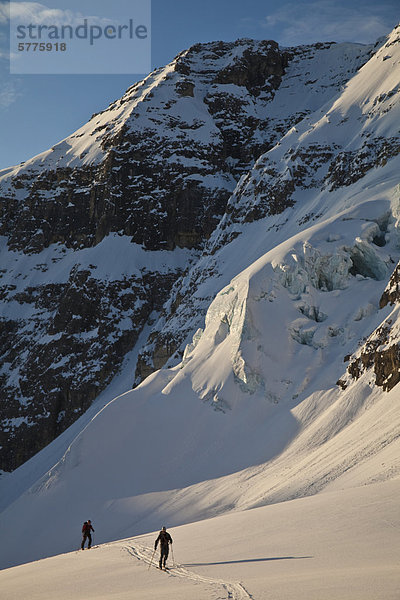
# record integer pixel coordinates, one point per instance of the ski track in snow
(235, 591)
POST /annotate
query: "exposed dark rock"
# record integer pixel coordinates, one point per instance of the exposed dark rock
(185, 87)
(161, 351)
(392, 292)
(66, 352)
(387, 367)
(254, 68)
(348, 167)
(381, 351)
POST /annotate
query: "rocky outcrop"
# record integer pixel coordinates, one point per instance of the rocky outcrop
(380, 353)
(350, 166)
(391, 295)
(64, 348)
(255, 68)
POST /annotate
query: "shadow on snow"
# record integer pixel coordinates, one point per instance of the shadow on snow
(245, 560)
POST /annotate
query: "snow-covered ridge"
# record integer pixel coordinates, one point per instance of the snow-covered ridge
(334, 147)
(86, 145)
(89, 144)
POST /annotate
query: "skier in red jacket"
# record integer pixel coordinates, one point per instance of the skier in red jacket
(86, 529)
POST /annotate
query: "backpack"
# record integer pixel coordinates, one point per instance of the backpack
(164, 538)
(84, 527)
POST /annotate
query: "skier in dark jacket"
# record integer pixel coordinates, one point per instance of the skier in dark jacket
(165, 540)
(86, 533)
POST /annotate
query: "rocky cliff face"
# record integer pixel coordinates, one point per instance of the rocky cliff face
(159, 164)
(123, 226)
(63, 341)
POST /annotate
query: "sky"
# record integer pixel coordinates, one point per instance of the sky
(39, 110)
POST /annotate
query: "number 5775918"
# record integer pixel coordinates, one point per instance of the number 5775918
(42, 47)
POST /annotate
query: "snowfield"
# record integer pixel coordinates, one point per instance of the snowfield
(150, 458)
(333, 546)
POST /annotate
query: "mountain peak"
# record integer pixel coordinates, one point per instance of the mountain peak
(117, 240)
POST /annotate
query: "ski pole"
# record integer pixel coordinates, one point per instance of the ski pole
(154, 551)
(172, 552)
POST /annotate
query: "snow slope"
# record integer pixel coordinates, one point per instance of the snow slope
(332, 546)
(150, 456)
(253, 415)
